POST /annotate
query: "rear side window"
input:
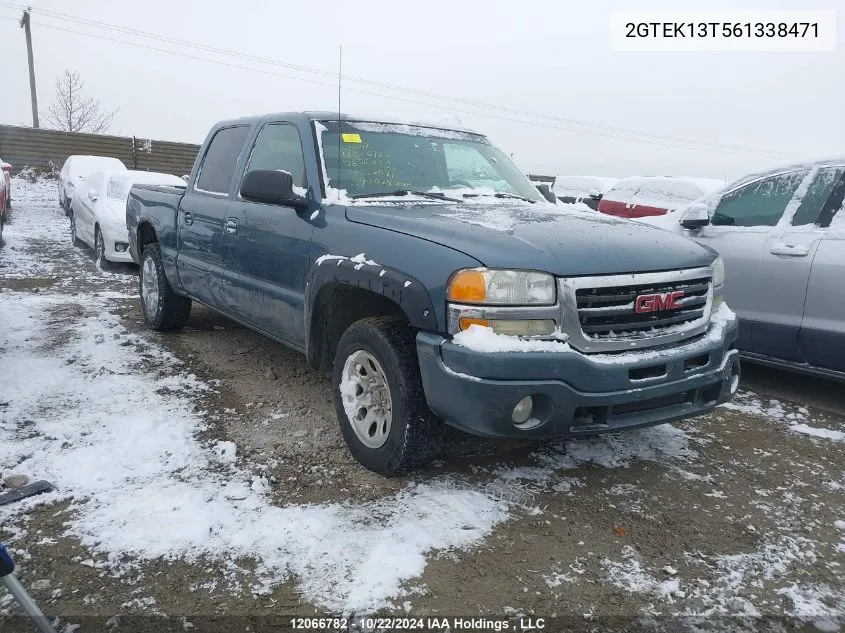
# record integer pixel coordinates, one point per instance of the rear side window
(817, 195)
(759, 203)
(221, 158)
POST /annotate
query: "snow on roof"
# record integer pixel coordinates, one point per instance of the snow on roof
(582, 186)
(803, 164)
(662, 191)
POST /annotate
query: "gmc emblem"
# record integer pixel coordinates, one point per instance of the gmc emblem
(659, 302)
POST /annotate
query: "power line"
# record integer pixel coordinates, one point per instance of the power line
(307, 69)
(678, 144)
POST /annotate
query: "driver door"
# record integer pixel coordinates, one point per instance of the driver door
(739, 231)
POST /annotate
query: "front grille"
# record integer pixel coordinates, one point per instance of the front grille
(607, 319)
(609, 312)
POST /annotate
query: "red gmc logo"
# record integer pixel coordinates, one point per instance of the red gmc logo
(659, 302)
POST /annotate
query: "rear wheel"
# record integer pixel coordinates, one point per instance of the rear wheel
(379, 397)
(163, 309)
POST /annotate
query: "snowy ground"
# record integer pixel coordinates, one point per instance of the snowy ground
(202, 474)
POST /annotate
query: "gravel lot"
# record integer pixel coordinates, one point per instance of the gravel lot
(201, 474)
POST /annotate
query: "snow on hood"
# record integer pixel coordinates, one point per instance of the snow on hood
(582, 186)
(558, 239)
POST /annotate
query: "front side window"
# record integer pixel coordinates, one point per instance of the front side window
(381, 158)
(221, 158)
(118, 187)
(760, 203)
(279, 148)
(818, 193)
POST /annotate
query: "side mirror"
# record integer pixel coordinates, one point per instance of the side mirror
(93, 195)
(595, 195)
(695, 219)
(547, 193)
(271, 187)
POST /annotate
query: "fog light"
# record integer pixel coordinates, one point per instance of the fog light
(523, 410)
(121, 247)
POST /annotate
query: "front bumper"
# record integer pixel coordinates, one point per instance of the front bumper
(112, 234)
(577, 394)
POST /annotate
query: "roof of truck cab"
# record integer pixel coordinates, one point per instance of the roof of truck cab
(320, 115)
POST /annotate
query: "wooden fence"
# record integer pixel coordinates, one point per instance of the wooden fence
(38, 148)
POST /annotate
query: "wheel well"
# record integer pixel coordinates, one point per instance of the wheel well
(336, 307)
(146, 235)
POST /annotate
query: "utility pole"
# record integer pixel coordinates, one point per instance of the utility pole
(25, 26)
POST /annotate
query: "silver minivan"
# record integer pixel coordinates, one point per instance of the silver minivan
(782, 236)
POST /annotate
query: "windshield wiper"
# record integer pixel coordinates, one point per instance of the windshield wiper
(405, 192)
(499, 194)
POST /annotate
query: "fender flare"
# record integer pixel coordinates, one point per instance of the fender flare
(408, 293)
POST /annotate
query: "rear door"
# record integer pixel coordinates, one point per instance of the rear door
(740, 227)
(271, 243)
(822, 337)
(200, 235)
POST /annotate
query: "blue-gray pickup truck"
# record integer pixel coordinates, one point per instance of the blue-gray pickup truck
(424, 269)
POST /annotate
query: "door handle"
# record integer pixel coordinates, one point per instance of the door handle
(790, 250)
(188, 217)
(231, 226)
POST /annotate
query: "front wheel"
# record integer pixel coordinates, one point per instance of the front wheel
(100, 250)
(74, 237)
(379, 397)
(163, 309)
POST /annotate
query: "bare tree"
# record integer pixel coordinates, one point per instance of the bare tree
(72, 111)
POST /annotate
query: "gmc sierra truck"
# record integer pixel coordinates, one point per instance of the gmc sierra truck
(426, 271)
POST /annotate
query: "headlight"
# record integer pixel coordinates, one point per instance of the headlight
(718, 282)
(501, 287)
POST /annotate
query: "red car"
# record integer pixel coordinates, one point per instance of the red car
(654, 195)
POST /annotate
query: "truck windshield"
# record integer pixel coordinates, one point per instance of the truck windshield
(375, 159)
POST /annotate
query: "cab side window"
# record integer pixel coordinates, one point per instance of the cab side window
(221, 159)
(760, 203)
(279, 148)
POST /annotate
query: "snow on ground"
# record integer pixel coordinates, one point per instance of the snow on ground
(795, 418)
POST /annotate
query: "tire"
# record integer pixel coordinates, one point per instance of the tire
(412, 434)
(163, 309)
(100, 250)
(74, 240)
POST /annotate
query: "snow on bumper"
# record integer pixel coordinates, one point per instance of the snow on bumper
(578, 394)
(114, 235)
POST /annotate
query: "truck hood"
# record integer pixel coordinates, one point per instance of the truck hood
(556, 239)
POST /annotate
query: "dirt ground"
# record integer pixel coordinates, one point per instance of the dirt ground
(730, 515)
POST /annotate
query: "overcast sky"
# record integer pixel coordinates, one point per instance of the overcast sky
(549, 58)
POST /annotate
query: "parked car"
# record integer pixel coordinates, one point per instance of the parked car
(654, 195)
(586, 189)
(98, 211)
(7, 179)
(4, 198)
(76, 169)
(422, 268)
(782, 236)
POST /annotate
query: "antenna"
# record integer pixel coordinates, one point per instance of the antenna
(339, 135)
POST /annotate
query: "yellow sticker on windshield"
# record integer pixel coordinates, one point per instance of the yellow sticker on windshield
(351, 138)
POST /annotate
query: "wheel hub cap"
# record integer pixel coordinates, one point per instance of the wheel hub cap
(366, 398)
(149, 286)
